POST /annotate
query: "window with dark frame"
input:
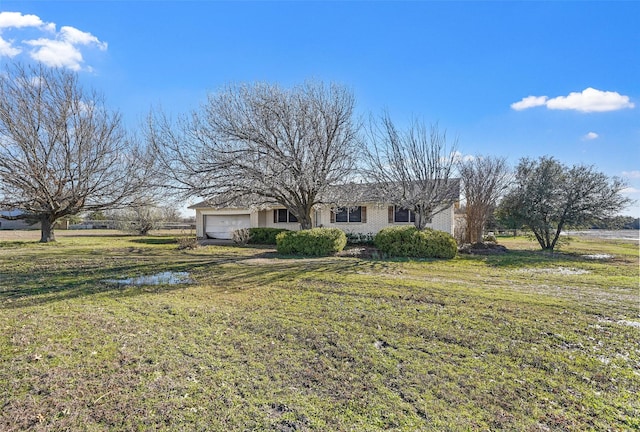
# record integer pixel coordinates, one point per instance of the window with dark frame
(348, 214)
(355, 214)
(403, 215)
(342, 214)
(284, 216)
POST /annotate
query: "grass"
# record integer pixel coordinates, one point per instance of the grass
(521, 341)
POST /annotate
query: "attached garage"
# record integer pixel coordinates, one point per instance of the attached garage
(223, 226)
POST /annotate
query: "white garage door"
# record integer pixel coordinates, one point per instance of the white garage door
(222, 227)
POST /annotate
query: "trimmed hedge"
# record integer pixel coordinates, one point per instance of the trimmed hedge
(408, 241)
(315, 242)
(265, 236)
(360, 238)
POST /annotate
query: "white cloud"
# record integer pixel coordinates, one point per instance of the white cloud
(459, 157)
(630, 191)
(54, 48)
(589, 100)
(590, 136)
(78, 37)
(17, 20)
(529, 102)
(56, 53)
(635, 174)
(7, 49)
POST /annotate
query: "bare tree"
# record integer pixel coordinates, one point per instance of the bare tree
(484, 180)
(549, 197)
(139, 219)
(412, 169)
(61, 151)
(144, 217)
(262, 144)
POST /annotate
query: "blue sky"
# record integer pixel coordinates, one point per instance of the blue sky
(511, 79)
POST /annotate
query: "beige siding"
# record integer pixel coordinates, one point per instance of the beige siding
(293, 226)
(378, 218)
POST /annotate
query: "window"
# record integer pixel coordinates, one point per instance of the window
(402, 215)
(349, 214)
(283, 216)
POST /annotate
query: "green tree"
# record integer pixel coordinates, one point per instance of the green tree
(548, 197)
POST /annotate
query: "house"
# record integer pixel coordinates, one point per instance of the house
(8, 221)
(364, 214)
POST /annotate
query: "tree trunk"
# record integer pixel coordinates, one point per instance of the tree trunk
(305, 220)
(556, 236)
(46, 230)
(479, 233)
(421, 220)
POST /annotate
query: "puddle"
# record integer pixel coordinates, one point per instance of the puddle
(164, 278)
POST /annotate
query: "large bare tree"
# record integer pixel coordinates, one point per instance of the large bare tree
(484, 180)
(413, 168)
(61, 151)
(262, 144)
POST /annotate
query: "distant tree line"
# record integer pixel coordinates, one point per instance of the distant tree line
(617, 223)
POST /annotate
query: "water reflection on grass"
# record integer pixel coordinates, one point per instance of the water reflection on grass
(163, 278)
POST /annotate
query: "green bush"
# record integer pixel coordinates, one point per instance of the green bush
(266, 236)
(408, 241)
(360, 238)
(315, 242)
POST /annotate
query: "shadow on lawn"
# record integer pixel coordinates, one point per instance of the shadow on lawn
(65, 284)
(517, 259)
(244, 274)
(155, 240)
(219, 271)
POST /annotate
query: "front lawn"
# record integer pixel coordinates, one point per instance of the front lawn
(520, 341)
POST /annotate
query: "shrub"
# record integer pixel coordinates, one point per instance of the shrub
(490, 238)
(241, 237)
(266, 236)
(315, 242)
(187, 242)
(360, 238)
(408, 241)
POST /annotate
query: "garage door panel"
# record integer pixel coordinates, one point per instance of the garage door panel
(223, 226)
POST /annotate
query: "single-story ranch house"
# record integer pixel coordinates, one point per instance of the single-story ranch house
(364, 215)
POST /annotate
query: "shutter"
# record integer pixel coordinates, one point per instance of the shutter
(390, 214)
(275, 216)
(363, 214)
(333, 216)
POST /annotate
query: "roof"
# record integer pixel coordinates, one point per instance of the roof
(345, 193)
(239, 202)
